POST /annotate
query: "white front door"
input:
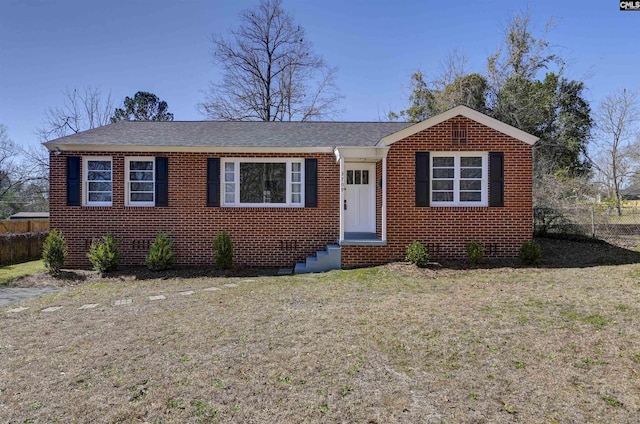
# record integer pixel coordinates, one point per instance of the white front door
(360, 198)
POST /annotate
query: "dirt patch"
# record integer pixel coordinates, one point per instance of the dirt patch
(557, 253)
(75, 277)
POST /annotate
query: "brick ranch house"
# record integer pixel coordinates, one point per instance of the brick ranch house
(358, 193)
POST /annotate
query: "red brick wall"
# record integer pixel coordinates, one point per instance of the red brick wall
(447, 229)
(260, 236)
(283, 236)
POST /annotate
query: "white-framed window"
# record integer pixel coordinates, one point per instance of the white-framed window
(97, 178)
(140, 181)
(459, 179)
(259, 182)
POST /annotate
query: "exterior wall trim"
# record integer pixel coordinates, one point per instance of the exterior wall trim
(467, 112)
(185, 149)
(362, 155)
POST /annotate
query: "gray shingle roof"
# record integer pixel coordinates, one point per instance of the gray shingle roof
(234, 134)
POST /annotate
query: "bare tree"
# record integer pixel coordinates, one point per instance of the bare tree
(19, 185)
(454, 66)
(80, 111)
(8, 164)
(523, 55)
(615, 153)
(269, 72)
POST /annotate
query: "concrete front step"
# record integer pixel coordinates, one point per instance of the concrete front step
(324, 260)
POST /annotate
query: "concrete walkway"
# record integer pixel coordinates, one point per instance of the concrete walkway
(11, 295)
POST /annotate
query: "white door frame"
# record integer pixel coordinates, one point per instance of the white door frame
(367, 211)
(363, 154)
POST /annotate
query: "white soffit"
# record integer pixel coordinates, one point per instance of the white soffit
(360, 153)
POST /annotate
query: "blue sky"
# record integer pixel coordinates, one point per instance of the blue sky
(163, 46)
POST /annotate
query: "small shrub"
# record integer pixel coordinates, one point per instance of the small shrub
(418, 254)
(552, 221)
(475, 251)
(54, 251)
(223, 251)
(530, 252)
(105, 254)
(161, 256)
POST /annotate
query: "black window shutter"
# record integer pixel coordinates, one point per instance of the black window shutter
(311, 183)
(162, 182)
(422, 179)
(73, 181)
(496, 179)
(213, 182)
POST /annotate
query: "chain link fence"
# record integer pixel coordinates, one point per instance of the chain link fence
(591, 220)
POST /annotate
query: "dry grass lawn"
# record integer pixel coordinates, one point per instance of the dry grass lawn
(555, 344)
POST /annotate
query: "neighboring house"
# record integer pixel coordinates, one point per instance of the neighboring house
(22, 216)
(284, 190)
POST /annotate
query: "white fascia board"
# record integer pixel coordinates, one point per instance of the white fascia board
(183, 149)
(467, 112)
(372, 154)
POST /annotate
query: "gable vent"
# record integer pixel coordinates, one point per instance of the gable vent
(458, 133)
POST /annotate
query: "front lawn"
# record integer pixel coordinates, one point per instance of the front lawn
(377, 345)
(10, 272)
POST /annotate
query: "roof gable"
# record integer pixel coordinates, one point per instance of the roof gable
(467, 113)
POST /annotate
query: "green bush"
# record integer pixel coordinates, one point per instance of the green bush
(530, 252)
(417, 253)
(222, 251)
(161, 255)
(54, 251)
(549, 221)
(475, 251)
(105, 254)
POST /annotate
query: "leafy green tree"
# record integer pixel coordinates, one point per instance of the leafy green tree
(469, 90)
(550, 107)
(554, 110)
(143, 106)
(421, 99)
(425, 101)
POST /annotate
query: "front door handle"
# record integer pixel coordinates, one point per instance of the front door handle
(345, 204)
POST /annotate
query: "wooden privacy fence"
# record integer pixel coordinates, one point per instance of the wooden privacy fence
(15, 248)
(21, 240)
(26, 226)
